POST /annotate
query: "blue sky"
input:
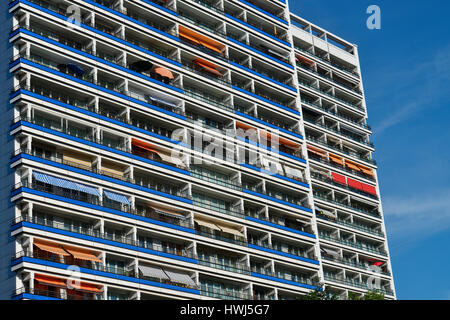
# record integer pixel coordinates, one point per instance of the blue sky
(406, 75)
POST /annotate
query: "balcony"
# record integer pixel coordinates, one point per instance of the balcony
(354, 283)
(349, 153)
(341, 133)
(356, 226)
(358, 244)
(324, 197)
(332, 182)
(53, 294)
(352, 263)
(95, 234)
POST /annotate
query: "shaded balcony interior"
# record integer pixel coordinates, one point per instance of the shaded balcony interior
(335, 126)
(345, 200)
(224, 289)
(219, 230)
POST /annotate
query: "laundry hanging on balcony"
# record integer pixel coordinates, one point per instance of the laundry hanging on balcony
(66, 184)
(208, 66)
(116, 197)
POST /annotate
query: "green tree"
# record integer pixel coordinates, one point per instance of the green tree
(318, 294)
(374, 295)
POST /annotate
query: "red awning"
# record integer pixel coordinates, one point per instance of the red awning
(50, 281)
(143, 145)
(369, 189)
(355, 184)
(339, 178)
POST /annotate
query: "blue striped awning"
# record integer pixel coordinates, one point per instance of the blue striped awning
(116, 197)
(63, 183)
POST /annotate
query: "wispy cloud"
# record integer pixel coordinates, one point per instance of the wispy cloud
(409, 91)
(421, 215)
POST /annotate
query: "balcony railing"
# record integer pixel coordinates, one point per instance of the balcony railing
(351, 154)
(97, 267)
(338, 115)
(358, 244)
(311, 156)
(324, 197)
(105, 236)
(355, 283)
(303, 83)
(294, 277)
(340, 67)
(356, 226)
(76, 195)
(57, 294)
(352, 263)
(354, 138)
(331, 182)
(224, 294)
(329, 78)
(220, 265)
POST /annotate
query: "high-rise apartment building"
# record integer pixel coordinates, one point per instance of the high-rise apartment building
(173, 149)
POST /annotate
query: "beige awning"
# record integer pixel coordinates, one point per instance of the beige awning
(207, 224)
(168, 158)
(232, 231)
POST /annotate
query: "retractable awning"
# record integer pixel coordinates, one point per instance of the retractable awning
(170, 159)
(169, 213)
(352, 165)
(87, 287)
(51, 247)
(162, 101)
(293, 172)
(330, 251)
(200, 39)
(50, 281)
(355, 184)
(83, 255)
(231, 231)
(153, 272)
(180, 277)
(369, 189)
(207, 224)
(116, 197)
(336, 159)
(317, 151)
(208, 66)
(66, 184)
(326, 213)
(339, 178)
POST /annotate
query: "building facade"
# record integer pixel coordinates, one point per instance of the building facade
(184, 149)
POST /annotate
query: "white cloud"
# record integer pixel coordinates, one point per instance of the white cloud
(417, 216)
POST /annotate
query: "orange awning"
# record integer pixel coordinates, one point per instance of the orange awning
(84, 286)
(50, 281)
(198, 38)
(336, 159)
(317, 151)
(208, 66)
(163, 72)
(369, 172)
(281, 141)
(83, 255)
(244, 126)
(352, 165)
(305, 60)
(143, 145)
(51, 247)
